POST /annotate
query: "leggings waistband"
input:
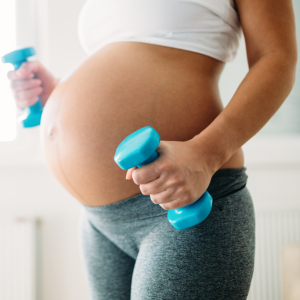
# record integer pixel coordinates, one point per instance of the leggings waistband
(223, 182)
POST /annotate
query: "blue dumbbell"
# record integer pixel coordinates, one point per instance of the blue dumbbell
(33, 114)
(139, 149)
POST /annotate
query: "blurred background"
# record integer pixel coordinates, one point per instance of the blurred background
(39, 256)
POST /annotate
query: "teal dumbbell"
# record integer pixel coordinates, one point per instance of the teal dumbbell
(139, 149)
(33, 114)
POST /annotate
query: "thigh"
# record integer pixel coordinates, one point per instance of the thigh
(108, 269)
(213, 260)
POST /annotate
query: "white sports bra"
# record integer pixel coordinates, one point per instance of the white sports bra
(210, 27)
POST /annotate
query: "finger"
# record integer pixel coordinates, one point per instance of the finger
(164, 196)
(146, 174)
(176, 203)
(13, 75)
(26, 71)
(155, 186)
(16, 75)
(26, 103)
(28, 94)
(27, 68)
(20, 85)
(129, 173)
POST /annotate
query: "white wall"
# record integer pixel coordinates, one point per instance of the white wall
(28, 188)
(33, 191)
(64, 48)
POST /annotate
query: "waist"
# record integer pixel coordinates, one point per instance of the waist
(223, 183)
(121, 88)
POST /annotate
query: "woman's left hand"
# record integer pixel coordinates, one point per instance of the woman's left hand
(178, 177)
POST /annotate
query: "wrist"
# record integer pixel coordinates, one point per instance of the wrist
(207, 148)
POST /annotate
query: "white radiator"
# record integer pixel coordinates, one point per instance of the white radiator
(17, 258)
(18, 255)
(273, 231)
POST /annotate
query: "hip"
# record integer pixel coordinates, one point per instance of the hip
(231, 220)
(219, 252)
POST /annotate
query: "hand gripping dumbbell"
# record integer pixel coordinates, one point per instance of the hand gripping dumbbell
(139, 149)
(32, 115)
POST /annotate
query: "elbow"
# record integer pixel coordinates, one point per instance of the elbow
(292, 65)
(291, 59)
(294, 56)
(288, 59)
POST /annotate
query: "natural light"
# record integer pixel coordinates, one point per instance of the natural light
(8, 126)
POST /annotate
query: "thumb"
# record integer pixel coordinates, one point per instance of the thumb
(129, 173)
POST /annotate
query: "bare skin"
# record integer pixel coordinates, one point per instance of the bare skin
(126, 86)
(270, 36)
(121, 88)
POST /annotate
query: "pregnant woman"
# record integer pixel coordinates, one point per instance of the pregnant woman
(158, 63)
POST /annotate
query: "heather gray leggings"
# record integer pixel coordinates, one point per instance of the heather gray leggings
(130, 250)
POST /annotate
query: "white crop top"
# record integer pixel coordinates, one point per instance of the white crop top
(210, 27)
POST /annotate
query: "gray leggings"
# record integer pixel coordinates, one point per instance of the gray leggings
(131, 251)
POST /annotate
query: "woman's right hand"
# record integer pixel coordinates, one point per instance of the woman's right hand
(32, 79)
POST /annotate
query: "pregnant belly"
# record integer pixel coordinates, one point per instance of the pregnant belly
(119, 89)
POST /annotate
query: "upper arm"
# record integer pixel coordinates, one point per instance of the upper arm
(268, 26)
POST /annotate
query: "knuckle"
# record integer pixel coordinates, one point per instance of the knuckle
(154, 200)
(176, 179)
(167, 206)
(136, 178)
(165, 165)
(37, 82)
(25, 86)
(30, 93)
(10, 75)
(143, 189)
(182, 190)
(187, 199)
(164, 206)
(28, 87)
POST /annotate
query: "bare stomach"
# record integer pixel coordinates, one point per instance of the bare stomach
(119, 89)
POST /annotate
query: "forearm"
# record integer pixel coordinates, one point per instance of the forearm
(259, 96)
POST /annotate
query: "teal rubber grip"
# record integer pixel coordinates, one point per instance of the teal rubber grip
(32, 114)
(139, 149)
